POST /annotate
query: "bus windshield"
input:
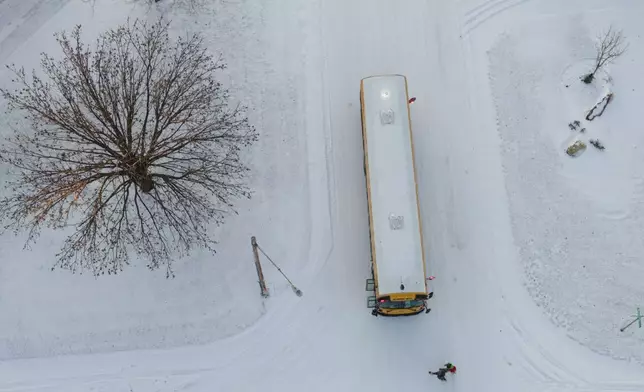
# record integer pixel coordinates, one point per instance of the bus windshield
(400, 304)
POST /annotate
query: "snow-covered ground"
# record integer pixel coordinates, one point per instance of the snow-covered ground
(49, 313)
(577, 222)
(535, 253)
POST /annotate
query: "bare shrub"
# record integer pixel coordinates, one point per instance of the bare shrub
(610, 46)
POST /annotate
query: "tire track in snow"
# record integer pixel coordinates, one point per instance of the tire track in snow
(559, 377)
(528, 346)
(32, 14)
(486, 11)
(328, 135)
(552, 373)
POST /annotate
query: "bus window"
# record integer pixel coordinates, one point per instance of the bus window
(400, 304)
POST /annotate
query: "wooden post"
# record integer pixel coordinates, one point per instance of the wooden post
(258, 266)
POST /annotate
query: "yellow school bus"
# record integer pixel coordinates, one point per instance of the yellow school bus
(397, 251)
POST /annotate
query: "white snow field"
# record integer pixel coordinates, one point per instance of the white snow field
(48, 313)
(537, 255)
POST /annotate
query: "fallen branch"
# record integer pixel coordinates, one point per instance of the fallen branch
(597, 144)
(599, 108)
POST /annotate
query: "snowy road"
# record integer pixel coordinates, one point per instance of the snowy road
(483, 319)
(21, 19)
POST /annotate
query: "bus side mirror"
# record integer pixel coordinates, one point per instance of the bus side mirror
(427, 310)
(430, 295)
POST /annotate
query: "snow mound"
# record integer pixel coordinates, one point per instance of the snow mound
(577, 222)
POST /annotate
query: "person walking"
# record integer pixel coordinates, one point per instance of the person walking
(440, 373)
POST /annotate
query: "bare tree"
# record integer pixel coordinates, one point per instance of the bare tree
(132, 144)
(609, 47)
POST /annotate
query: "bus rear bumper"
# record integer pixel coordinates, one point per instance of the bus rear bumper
(378, 312)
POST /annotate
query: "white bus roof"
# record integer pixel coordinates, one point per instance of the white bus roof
(396, 232)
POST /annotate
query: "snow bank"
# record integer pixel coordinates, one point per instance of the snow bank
(577, 221)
